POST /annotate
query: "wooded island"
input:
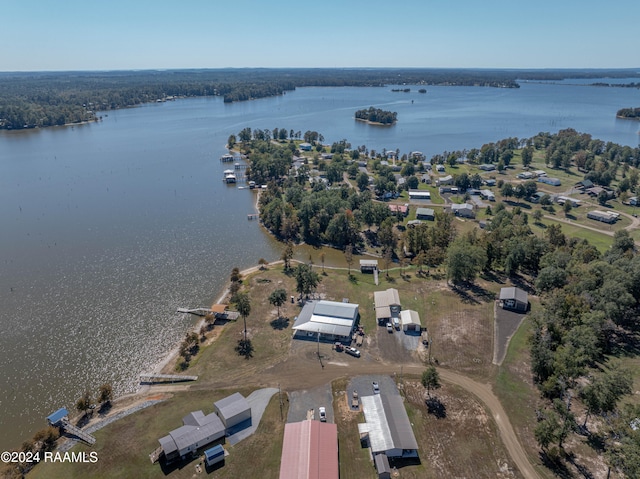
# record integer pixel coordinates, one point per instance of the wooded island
(378, 116)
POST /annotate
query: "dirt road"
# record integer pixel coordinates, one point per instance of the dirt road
(294, 374)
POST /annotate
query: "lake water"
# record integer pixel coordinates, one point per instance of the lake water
(107, 228)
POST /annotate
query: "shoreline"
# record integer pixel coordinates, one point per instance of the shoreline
(172, 354)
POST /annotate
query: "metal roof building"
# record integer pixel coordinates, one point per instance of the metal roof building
(410, 320)
(514, 299)
(330, 319)
(310, 451)
(387, 426)
(387, 304)
(233, 410)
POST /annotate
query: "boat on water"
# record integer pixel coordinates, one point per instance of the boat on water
(229, 176)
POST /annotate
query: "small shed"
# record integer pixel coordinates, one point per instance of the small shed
(58, 417)
(368, 265)
(233, 410)
(382, 466)
(214, 455)
(514, 299)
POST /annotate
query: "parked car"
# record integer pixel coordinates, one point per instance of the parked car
(376, 387)
(396, 323)
(352, 351)
(389, 328)
(323, 414)
(339, 346)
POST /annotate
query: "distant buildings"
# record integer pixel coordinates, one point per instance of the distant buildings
(608, 217)
(549, 181)
(425, 214)
(465, 210)
(419, 195)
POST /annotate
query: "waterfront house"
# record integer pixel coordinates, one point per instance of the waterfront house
(197, 431)
(330, 320)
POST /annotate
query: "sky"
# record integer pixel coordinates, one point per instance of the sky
(46, 35)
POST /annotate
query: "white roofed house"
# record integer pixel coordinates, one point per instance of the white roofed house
(330, 320)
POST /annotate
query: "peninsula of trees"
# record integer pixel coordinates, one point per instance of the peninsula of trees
(41, 99)
(376, 115)
(632, 113)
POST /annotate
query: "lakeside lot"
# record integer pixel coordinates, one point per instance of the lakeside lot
(461, 439)
(464, 442)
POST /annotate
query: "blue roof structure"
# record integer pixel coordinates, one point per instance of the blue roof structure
(214, 452)
(57, 416)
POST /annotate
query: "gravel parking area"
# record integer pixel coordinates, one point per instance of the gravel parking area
(300, 402)
(363, 385)
(397, 346)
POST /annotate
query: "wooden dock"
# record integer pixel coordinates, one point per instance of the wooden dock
(196, 311)
(253, 216)
(166, 378)
(77, 432)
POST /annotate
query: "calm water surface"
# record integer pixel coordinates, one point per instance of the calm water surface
(107, 228)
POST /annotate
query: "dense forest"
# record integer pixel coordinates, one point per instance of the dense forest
(376, 115)
(40, 99)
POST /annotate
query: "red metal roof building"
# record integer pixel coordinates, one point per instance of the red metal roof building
(310, 451)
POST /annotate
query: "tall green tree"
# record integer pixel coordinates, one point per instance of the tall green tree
(464, 261)
(244, 308)
(430, 379)
(277, 298)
